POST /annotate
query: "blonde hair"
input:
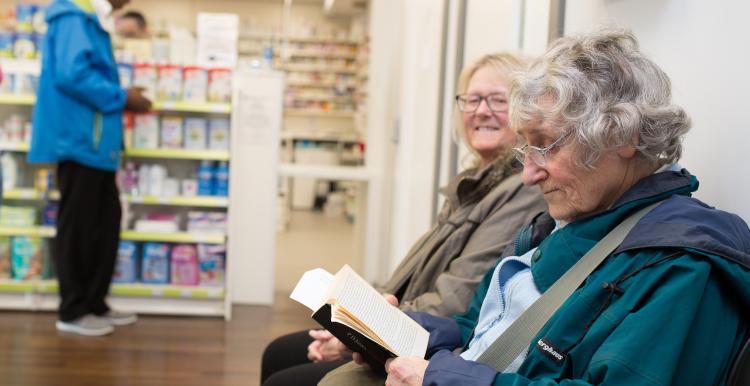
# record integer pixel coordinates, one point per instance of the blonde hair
(504, 64)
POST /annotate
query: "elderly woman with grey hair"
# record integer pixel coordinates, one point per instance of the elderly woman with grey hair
(600, 138)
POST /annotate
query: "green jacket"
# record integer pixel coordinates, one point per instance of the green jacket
(666, 308)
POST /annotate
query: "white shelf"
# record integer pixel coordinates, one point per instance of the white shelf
(192, 107)
(318, 68)
(30, 194)
(318, 113)
(15, 99)
(47, 231)
(14, 146)
(215, 155)
(196, 201)
(336, 173)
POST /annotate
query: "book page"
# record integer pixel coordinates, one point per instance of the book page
(402, 335)
(312, 287)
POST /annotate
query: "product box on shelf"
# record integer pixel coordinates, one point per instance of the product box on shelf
(17, 216)
(206, 222)
(27, 261)
(155, 263)
(146, 132)
(126, 266)
(171, 131)
(128, 126)
(169, 83)
(125, 71)
(206, 178)
(5, 272)
(158, 222)
(49, 214)
(195, 84)
(196, 131)
(184, 265)
(24, 45)
(145, 75)
(218, 134)
(219, 85)
(211, 260)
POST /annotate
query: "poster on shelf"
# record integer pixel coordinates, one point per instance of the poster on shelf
(217, 39)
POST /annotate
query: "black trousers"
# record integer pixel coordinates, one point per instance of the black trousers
(88, 234)
(285, 362)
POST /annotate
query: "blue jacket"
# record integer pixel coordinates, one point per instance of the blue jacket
(672, 314)
(78, 112)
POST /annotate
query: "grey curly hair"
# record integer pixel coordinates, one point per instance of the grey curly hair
(604, 90)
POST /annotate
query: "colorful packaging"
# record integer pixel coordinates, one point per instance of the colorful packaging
(125, 71)
(221, 188)
(49, 214)
(155, 263)
(17, 216)
(44, 180)
(5, 272)
(211, 263)
(206, 178)
(195, 84)
(169, 84)
(171, 132)
(146, 132)
(126, 266)
(218, 134)
(195, 133)
(219, 85)
(27, 261)
(6, 44)
(24, 45)
(128, 126)
(144, 75)
(25, 17)
(184, 265)
(39, 44)
(38, 24)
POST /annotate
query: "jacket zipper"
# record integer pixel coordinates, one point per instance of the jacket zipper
(97, 135)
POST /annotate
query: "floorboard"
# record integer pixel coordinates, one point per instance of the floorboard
(156, 351)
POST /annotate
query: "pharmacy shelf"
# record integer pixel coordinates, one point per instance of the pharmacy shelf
(174, 237)
(30, 194)
(14, 146)
(188, 107)
(322, 39)
(215, 155)
(318, 68)
(135, 289)
(167, 237)
(196, 201)
(317, 113)
(336, 173)
(33, 231)
(322, 54)
(19, 100)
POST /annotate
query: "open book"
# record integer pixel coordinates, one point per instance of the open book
(359, 316)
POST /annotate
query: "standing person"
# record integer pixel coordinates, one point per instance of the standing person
(484, 207)
(132, 25)
(78, 124)
(668, 306)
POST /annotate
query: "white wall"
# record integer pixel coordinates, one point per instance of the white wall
(414, 172)
(704, 46)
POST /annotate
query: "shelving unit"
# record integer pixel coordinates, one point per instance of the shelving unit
(142, 298)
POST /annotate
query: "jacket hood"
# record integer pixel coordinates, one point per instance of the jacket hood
(63, 7)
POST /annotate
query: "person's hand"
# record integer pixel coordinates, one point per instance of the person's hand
(406, 371)
(136, 101)
(391, 299)
(325, 348)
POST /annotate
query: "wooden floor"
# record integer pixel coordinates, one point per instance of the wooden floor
(156, 351)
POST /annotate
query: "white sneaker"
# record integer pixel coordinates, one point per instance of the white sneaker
(120, 318)
(88, 325)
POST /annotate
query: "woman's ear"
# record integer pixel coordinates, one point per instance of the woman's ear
(626, 152)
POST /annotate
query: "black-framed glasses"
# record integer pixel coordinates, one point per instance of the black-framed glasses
(538, 155)
(496, 102)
